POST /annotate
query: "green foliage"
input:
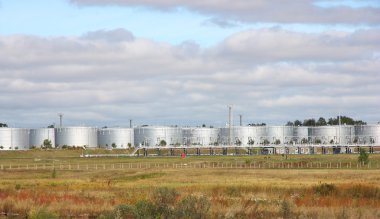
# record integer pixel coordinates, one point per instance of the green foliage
(325, 189)
(363, 156)
(318, 141)
(165, 198)
(309, 122)
(193, 207)
(54, 174)
(17, 186)
(114, 145)
(124, 211)
(3, 125)
(145, 210)
(42, 214)
(47, 144)
(278, 141)
(285, 209)
(162, 143)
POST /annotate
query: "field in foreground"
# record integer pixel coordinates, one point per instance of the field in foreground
(190, 192)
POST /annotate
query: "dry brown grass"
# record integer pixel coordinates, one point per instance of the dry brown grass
(232, 193)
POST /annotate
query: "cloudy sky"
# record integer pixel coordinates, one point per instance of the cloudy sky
(168, 62)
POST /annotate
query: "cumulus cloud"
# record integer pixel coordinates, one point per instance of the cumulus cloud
(107, 77)
(285, 11)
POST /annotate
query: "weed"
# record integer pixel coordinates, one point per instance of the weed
(193, 207)
(17, 186)
(325, 189)
(42, 213)
(145, 210)
(285, 209)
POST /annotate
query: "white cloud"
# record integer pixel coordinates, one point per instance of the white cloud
(285, 11)
(270, 72)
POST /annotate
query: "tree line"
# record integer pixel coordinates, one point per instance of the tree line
(322, 122)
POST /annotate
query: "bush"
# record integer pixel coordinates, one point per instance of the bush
(325, 189)
(192, 207)
(42, 214)
(363, 156)
(285, 209)
(125, 211)
(165, 199)
(145, 210)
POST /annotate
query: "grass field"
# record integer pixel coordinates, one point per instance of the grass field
(171, 187)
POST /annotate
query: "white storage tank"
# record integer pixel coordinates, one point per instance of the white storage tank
(14, 139)
(280, 134)
(115, 137)
(367, 134)
(76, 136)
(154, 135)
(38, 136)
(200, 136)
(243, 135)
(301, 134)
(324, 134)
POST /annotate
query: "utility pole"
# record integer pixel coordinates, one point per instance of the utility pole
(230, 125)
(60, 119)
(241, 120)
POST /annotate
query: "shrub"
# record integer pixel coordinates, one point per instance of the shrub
(325, 189)
(54, 174)
(285, 209)
(17, 186)
(192, 207)
(363, 156)
(165, 199)
(125, 211)
(145, 210)
(42, 214)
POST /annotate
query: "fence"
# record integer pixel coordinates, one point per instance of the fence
(208, 165)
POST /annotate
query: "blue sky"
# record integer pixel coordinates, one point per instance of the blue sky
(49, 18)
(103, 62)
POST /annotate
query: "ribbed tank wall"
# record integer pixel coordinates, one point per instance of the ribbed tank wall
(120, 137)
(243, 135)
(200, 136)
(347, 134)
(301, 134)
(324, 134)
(367, 134)
(14, 139)
(76, 136)
(37, 136)
(280, 134)
(153, 135)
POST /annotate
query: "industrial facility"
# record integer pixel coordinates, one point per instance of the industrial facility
(274, 139)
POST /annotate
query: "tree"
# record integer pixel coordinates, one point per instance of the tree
(297, 123)
(289, 123)
(3, 125)
(114, 145)
(309, 122)
(162, 143)
(203, 125)
(47, 144)
(321, 121)
(363, 156)
(51, 126)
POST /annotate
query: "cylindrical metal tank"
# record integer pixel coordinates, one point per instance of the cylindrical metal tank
(324, 134)
(38, 136)
(243, 135)
(115, 137)
(155, 135)
(76, 136)
(280, 134)
(14, 139)
(367, 134)
(301, 134)
(200, 136)
(346, 134)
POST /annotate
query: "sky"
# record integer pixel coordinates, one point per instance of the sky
(181, 62)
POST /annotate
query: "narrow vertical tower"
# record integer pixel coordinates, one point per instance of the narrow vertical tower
(340, 123)
(60, 119)
(230, 125)
(241, 120)
(130, 123)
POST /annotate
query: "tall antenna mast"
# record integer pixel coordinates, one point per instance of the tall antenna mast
(230, 125)
(60, 119)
